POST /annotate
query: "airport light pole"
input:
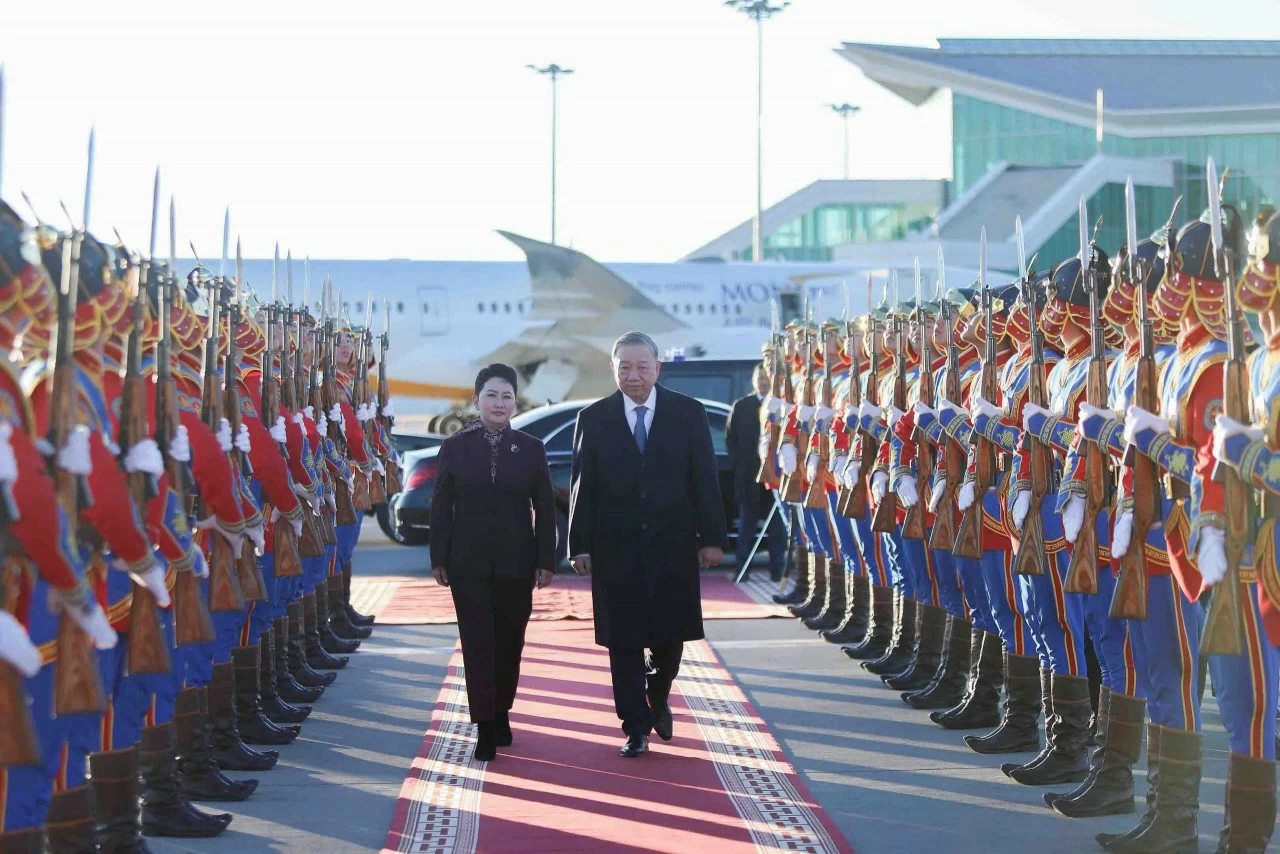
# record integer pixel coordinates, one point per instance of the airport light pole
(554, 72)
(844, 111)
(759, 11)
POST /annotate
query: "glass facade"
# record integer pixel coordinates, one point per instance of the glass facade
(812, 237)
(984, 134)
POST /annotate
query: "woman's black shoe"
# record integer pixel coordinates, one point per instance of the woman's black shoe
(502, 729)
(486, 743)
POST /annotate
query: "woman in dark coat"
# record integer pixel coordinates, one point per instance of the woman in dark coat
(489, 551)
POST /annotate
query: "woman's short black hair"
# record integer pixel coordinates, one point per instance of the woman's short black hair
(497, 371)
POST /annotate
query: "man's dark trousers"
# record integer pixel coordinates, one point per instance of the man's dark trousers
(637, 683)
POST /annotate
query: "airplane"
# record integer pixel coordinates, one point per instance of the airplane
(555, 317)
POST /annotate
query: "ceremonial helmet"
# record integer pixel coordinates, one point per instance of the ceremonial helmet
(251, 336)
(1068, 294)
(26, 291)
(1121, 307)
(1003, 298)
(1192, 280)
(961, 304)
(96, 263)
(1261, 279)
(1019, 323)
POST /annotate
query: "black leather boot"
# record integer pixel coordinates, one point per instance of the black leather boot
(879, 627)
(486, 742)
(1068, 758)
(273, 705)
(117, 810)
(200, 778)
(948, 685)
(254, 726)
(356, 618)
(289, 688)
(980, 707)
(1017, 732)
(800, 590)
(229, 749)
(1251, 805)
(1173, 827)
(1109, 789)
(69, 822)
(857, 612)
(902, 648)
(930, 643)
(28, 840)
(1106, 840)
(833, 609)
(299, 666)
(164, 811)
(817, 588)
(317, 656)
(1099, 724)
(339, 622)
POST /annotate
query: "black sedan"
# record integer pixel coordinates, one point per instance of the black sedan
(553, 424)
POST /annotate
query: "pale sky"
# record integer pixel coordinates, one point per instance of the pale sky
(413, 129)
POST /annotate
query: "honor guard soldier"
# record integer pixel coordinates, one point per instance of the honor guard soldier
(789, 435)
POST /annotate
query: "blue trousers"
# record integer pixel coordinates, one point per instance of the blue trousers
(850, 552)
(871, 547)
(901, 575)
(974, 586)
(1169, 640)
(348, 536)
(260, 614)
(1246, 684)
(145, 699)
(818, 530)
(228, 627)
(1056, 619)
(1106, 635)
(1004, 596)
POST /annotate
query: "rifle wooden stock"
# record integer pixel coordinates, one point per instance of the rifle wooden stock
(148, 648)
(309, 544)
(18, 742)
(954, 460)
(968, 538)
(914, 526)
(1129, 601)
(816, 496)
(360, 495)
(1224, 621)
(1031, 558)
(346, 513)
(288, 561)
(885, 518)
(378, 487)
(767, 476)
(77, 687)
(224, 581)
(1082, 570)
(394, 484)
(249, 575)
(191, 620)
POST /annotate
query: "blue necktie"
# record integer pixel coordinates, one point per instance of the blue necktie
(641, 435)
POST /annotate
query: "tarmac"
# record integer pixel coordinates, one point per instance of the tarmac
(891, 780)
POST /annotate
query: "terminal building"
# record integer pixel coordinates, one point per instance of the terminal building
(1036, 124)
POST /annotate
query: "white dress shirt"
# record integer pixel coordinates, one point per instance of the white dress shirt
(629, 407)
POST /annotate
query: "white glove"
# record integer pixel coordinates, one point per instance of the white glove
(93, 622)
(296, 524)
(257, 535)
(811, 467)
(805, 413)
(278, 432)
(180, 447)
(224, 436)
(879, 485)
(1211, 555)
(144, 456)
(377, 465)
(869, 410)
(199, 566)
(153, 580)
(907, 493)
(787, 459)
(948, 406)
(310, 412)
(322, 426)
(332, 501)
(964, 498)
(300, 421)
(335, 415)
(242, 440)
(894, 414)
(236, 539)
(836, 464)
(8, 462)
(851, 472)
(1225, 428)
(16, 647)
(1073, 517)
(1088, 410)
(935, 497)
(1029, 409)
(74, 456)
(824, 413)
(1121, 535)
(772, 404)
(763, 445)
(362, 413)
(389, 410)
(982, 406)
(1021, 504)
(921, 408)
(1138, 419)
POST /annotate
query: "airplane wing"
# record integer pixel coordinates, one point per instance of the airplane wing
(568, 286)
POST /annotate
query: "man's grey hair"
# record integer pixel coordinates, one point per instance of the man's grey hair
(630, 338)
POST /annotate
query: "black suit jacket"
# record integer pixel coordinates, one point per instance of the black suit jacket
(481, 526)
(742, 440)
(643, 517)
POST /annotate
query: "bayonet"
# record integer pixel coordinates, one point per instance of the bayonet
(1215, 214)
(88, 184)
(238, 298)
(1131, 236)
(173, 239)
(275, 272)
(288, 278)
(1022, 248)
(226, 236)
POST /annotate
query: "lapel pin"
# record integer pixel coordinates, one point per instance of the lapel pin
(515, 448)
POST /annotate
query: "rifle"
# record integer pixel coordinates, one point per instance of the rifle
(310, 394)
(955, 459)
(394, 484)
(886, 514)
(148, 648)
(77, 686)
(377, 487)
(1082, 570)
(793, 486)
(816, 496)
(767, 476)
(914, 526)
(968, 539)
(288, 560)
(360, 496)
(1031, 558)
(853, 500)
(875, 334)
(309, 544)
(192, 623)
(1223, 623)
(1130, 598)
(328, 395)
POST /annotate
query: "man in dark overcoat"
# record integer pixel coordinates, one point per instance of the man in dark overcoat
(645, 515)
(743, 442)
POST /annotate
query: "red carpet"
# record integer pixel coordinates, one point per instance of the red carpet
(418, 602)
(721, 785)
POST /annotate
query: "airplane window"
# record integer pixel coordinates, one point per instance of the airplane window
(712, 308)
(738, 309)
(426, 307)
(493, 306)
(688, 309)
(507, 308)
(520, 307)
(400, 308)
(701, 308)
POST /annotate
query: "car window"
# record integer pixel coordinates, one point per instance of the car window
(718, 422)
(562, 441)
(540, 423)
(702, 386)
